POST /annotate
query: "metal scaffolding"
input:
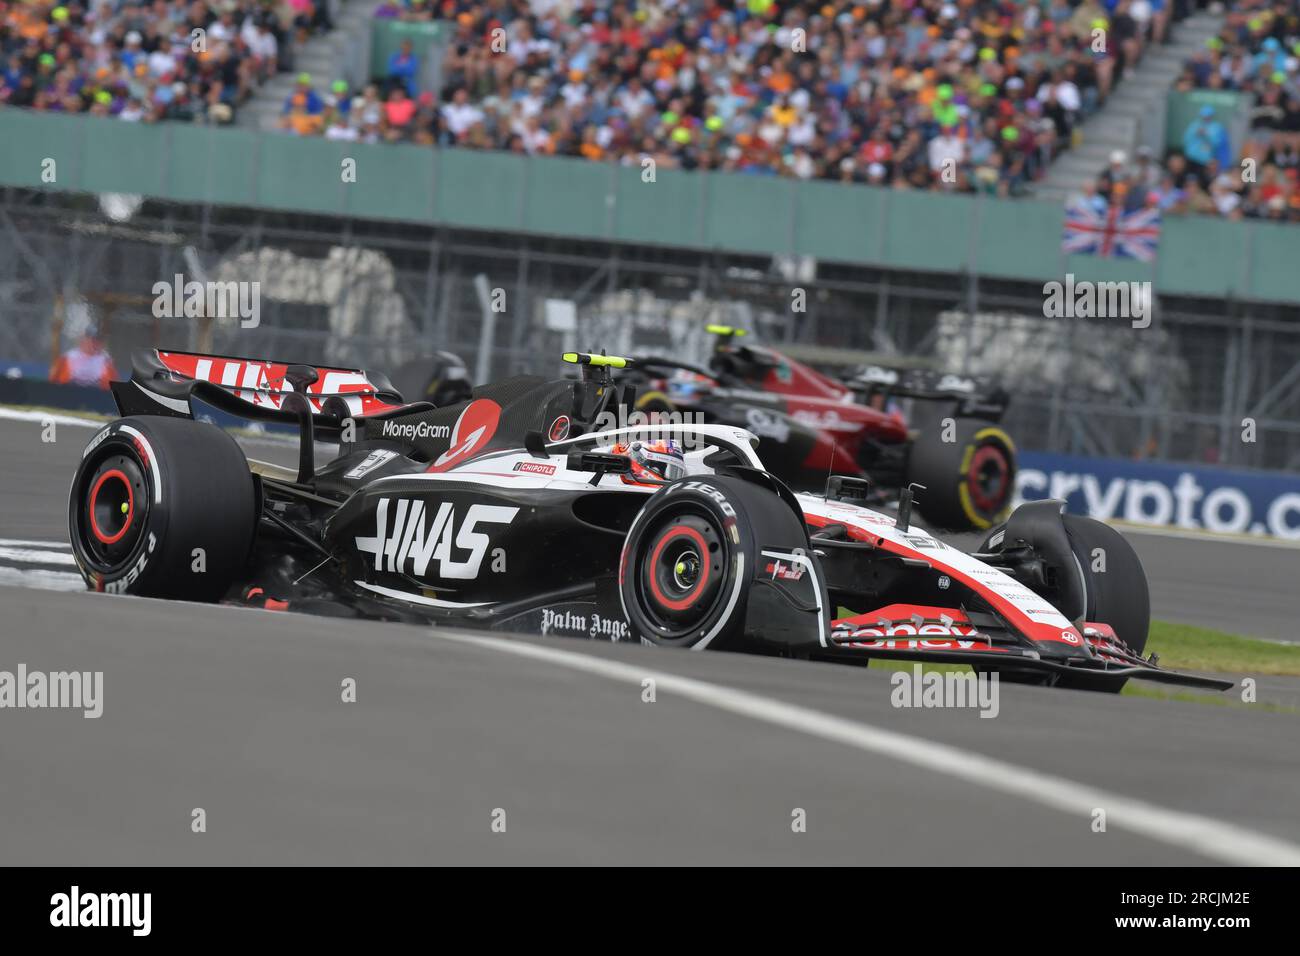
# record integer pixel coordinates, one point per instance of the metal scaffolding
(376, 294)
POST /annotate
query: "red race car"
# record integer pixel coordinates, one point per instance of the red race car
(895, 427)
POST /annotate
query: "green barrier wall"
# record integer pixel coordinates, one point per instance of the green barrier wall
(577, 199)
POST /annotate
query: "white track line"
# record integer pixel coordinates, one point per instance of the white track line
(1208, 837)
(31, 415)
(41, 579)
(32, 556)
(1198, 534)
(44, 545)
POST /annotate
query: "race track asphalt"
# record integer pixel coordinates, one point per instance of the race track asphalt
(239, 712)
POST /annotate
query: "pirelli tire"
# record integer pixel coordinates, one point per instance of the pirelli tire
(1115, 590)
(969, 482)
(654, 401)
(692, 558)
(162, 507)
(1118, 594)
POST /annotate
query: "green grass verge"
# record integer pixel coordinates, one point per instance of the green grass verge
(1188, 648)
(1184, 647)
(1229, 698)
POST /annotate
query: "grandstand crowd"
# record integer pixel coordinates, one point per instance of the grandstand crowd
(144, 61)
(1257, 50)
(953, 95)
(1257, 53)
(887, 93)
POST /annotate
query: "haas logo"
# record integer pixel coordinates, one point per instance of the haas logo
(471, 433)
(421, 542)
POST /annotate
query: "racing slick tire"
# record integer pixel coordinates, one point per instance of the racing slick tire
(439, 378)
(163, 508)
(969, 482)
(693, 566)
(1117, 595)
(654, 401)
(1115, 587)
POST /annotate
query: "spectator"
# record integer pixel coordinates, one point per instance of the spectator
(459, 115)
(1206, 141)
(1146, 173)
(1114, 174)
(403, 68)
(367, 112)
(399, 110)
(304, 97)
(87, 364)
(299, 118)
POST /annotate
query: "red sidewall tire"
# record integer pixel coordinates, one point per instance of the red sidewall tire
(191, 509)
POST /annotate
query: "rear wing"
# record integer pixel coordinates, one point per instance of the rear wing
(975, 396)
(162, 383)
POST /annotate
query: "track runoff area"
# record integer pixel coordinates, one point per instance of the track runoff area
(890, 786)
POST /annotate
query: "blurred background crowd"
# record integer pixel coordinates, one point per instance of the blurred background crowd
(145, 61)
(1206, 176)
(1257, 51)
(954, 95)
(880, 92)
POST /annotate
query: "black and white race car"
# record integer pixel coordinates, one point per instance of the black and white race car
(506, 511)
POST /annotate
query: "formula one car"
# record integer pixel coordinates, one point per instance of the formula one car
(810, 425)
(504, 511)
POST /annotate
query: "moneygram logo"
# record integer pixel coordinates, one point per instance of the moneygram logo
(410, 431)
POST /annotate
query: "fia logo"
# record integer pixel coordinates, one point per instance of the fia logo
(421, 542)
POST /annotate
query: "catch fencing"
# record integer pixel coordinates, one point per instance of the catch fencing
(1210, 381)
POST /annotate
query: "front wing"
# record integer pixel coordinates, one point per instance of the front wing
(952, 636)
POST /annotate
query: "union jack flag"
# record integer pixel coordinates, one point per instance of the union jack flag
(1127, 235)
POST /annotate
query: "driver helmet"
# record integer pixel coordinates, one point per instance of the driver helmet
(652, 461)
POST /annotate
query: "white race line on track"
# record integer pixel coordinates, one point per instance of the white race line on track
(1198, 534)
(41, 579)
(28, 543)
(32, 415)
(16, 553)
(33, 556)
(1206, 836)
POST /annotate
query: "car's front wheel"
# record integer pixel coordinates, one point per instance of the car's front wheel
(714, 561)
(1112, 586)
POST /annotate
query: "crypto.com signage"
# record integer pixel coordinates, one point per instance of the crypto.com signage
(1158, 493)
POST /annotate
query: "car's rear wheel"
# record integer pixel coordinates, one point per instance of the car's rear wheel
(654, 401)
(162, 507)
(970, 481)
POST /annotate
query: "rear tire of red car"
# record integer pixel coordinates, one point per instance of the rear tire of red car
(970, 481)
(654, 401)
(163, 508)
(691, 557)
